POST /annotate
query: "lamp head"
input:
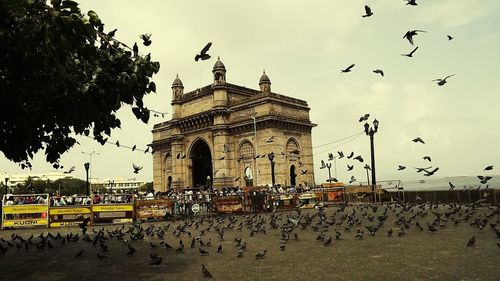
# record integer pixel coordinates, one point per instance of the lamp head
(87, 166)
(271, 156)
(366, 128)
(375, 124)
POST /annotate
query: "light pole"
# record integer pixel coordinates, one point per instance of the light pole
(370, 131)
(90, 163)
(367, 175)
(87, 166)
(271, 158)
(256, 146)
(7, 189)
(329, 166)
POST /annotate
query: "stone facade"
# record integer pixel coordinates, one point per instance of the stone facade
(222, 134)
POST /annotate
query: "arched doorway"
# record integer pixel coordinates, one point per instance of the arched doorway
(248, 176)
(292, 175)
(202, 163)
(169, 183)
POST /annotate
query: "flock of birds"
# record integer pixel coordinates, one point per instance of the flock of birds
(426, 171)
(408, 36)
(208, 236)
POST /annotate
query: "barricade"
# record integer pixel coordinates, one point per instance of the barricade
(153, 209)
(108, 209)
(228, 204)
(25, 210)
(282, 202)
(70, 215)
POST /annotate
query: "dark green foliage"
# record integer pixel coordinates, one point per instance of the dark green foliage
(67, 186)
(60, 73)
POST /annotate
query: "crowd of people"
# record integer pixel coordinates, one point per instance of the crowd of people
(24, 200)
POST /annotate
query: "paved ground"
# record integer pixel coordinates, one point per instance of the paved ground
(418, 255)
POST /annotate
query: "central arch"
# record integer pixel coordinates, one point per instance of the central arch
(202, 163)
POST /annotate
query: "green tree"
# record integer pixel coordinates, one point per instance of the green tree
(147, 187)
(61, 73)
(70, 186)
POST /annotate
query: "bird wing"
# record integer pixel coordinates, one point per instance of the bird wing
(368, 10)
(448, 76)
(205, 49)
(408, 36)
(414, 50)
(350, 66)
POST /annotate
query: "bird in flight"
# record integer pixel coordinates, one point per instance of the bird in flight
(488, 168)
(364, 117)
(350, 167)
(72, 169)
(411, 2)
(452, 186)
(428, 158)
(409, 35)
(368, 12)
(430, 173)
(449, 37)
(400, 167)
(422, 169)
(136, 168)
(341, 154)
(353, 179)
(443, 81)
(484, 179)
(379, 71)
(270, 140)
(203, 54)
(146, 39)
(359, 158)
(350, 155)
(303, 172)
(348, 69)
(410, 55)
(418, 139)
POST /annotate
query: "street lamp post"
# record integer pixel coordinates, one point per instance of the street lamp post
(90, 163)
(370, 131)
(271, 158)
(87, 166)
(7, 189)
(329, 166)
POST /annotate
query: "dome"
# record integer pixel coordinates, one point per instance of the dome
(177, 82)
(219, 66)
(264, 78)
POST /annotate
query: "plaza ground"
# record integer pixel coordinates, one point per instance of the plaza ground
(418, 255)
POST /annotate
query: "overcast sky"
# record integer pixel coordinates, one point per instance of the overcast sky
(303, 45)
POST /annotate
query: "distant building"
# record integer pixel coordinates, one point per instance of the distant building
(117, 185)
(226, 135)
(12, 180)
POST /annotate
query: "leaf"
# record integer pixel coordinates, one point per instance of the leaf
(145, 116)
(137, 112)
(152, 86)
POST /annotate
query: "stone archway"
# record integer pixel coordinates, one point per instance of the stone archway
(293, 175)
(201, 158)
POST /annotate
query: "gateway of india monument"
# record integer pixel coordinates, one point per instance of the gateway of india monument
(225, 135)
